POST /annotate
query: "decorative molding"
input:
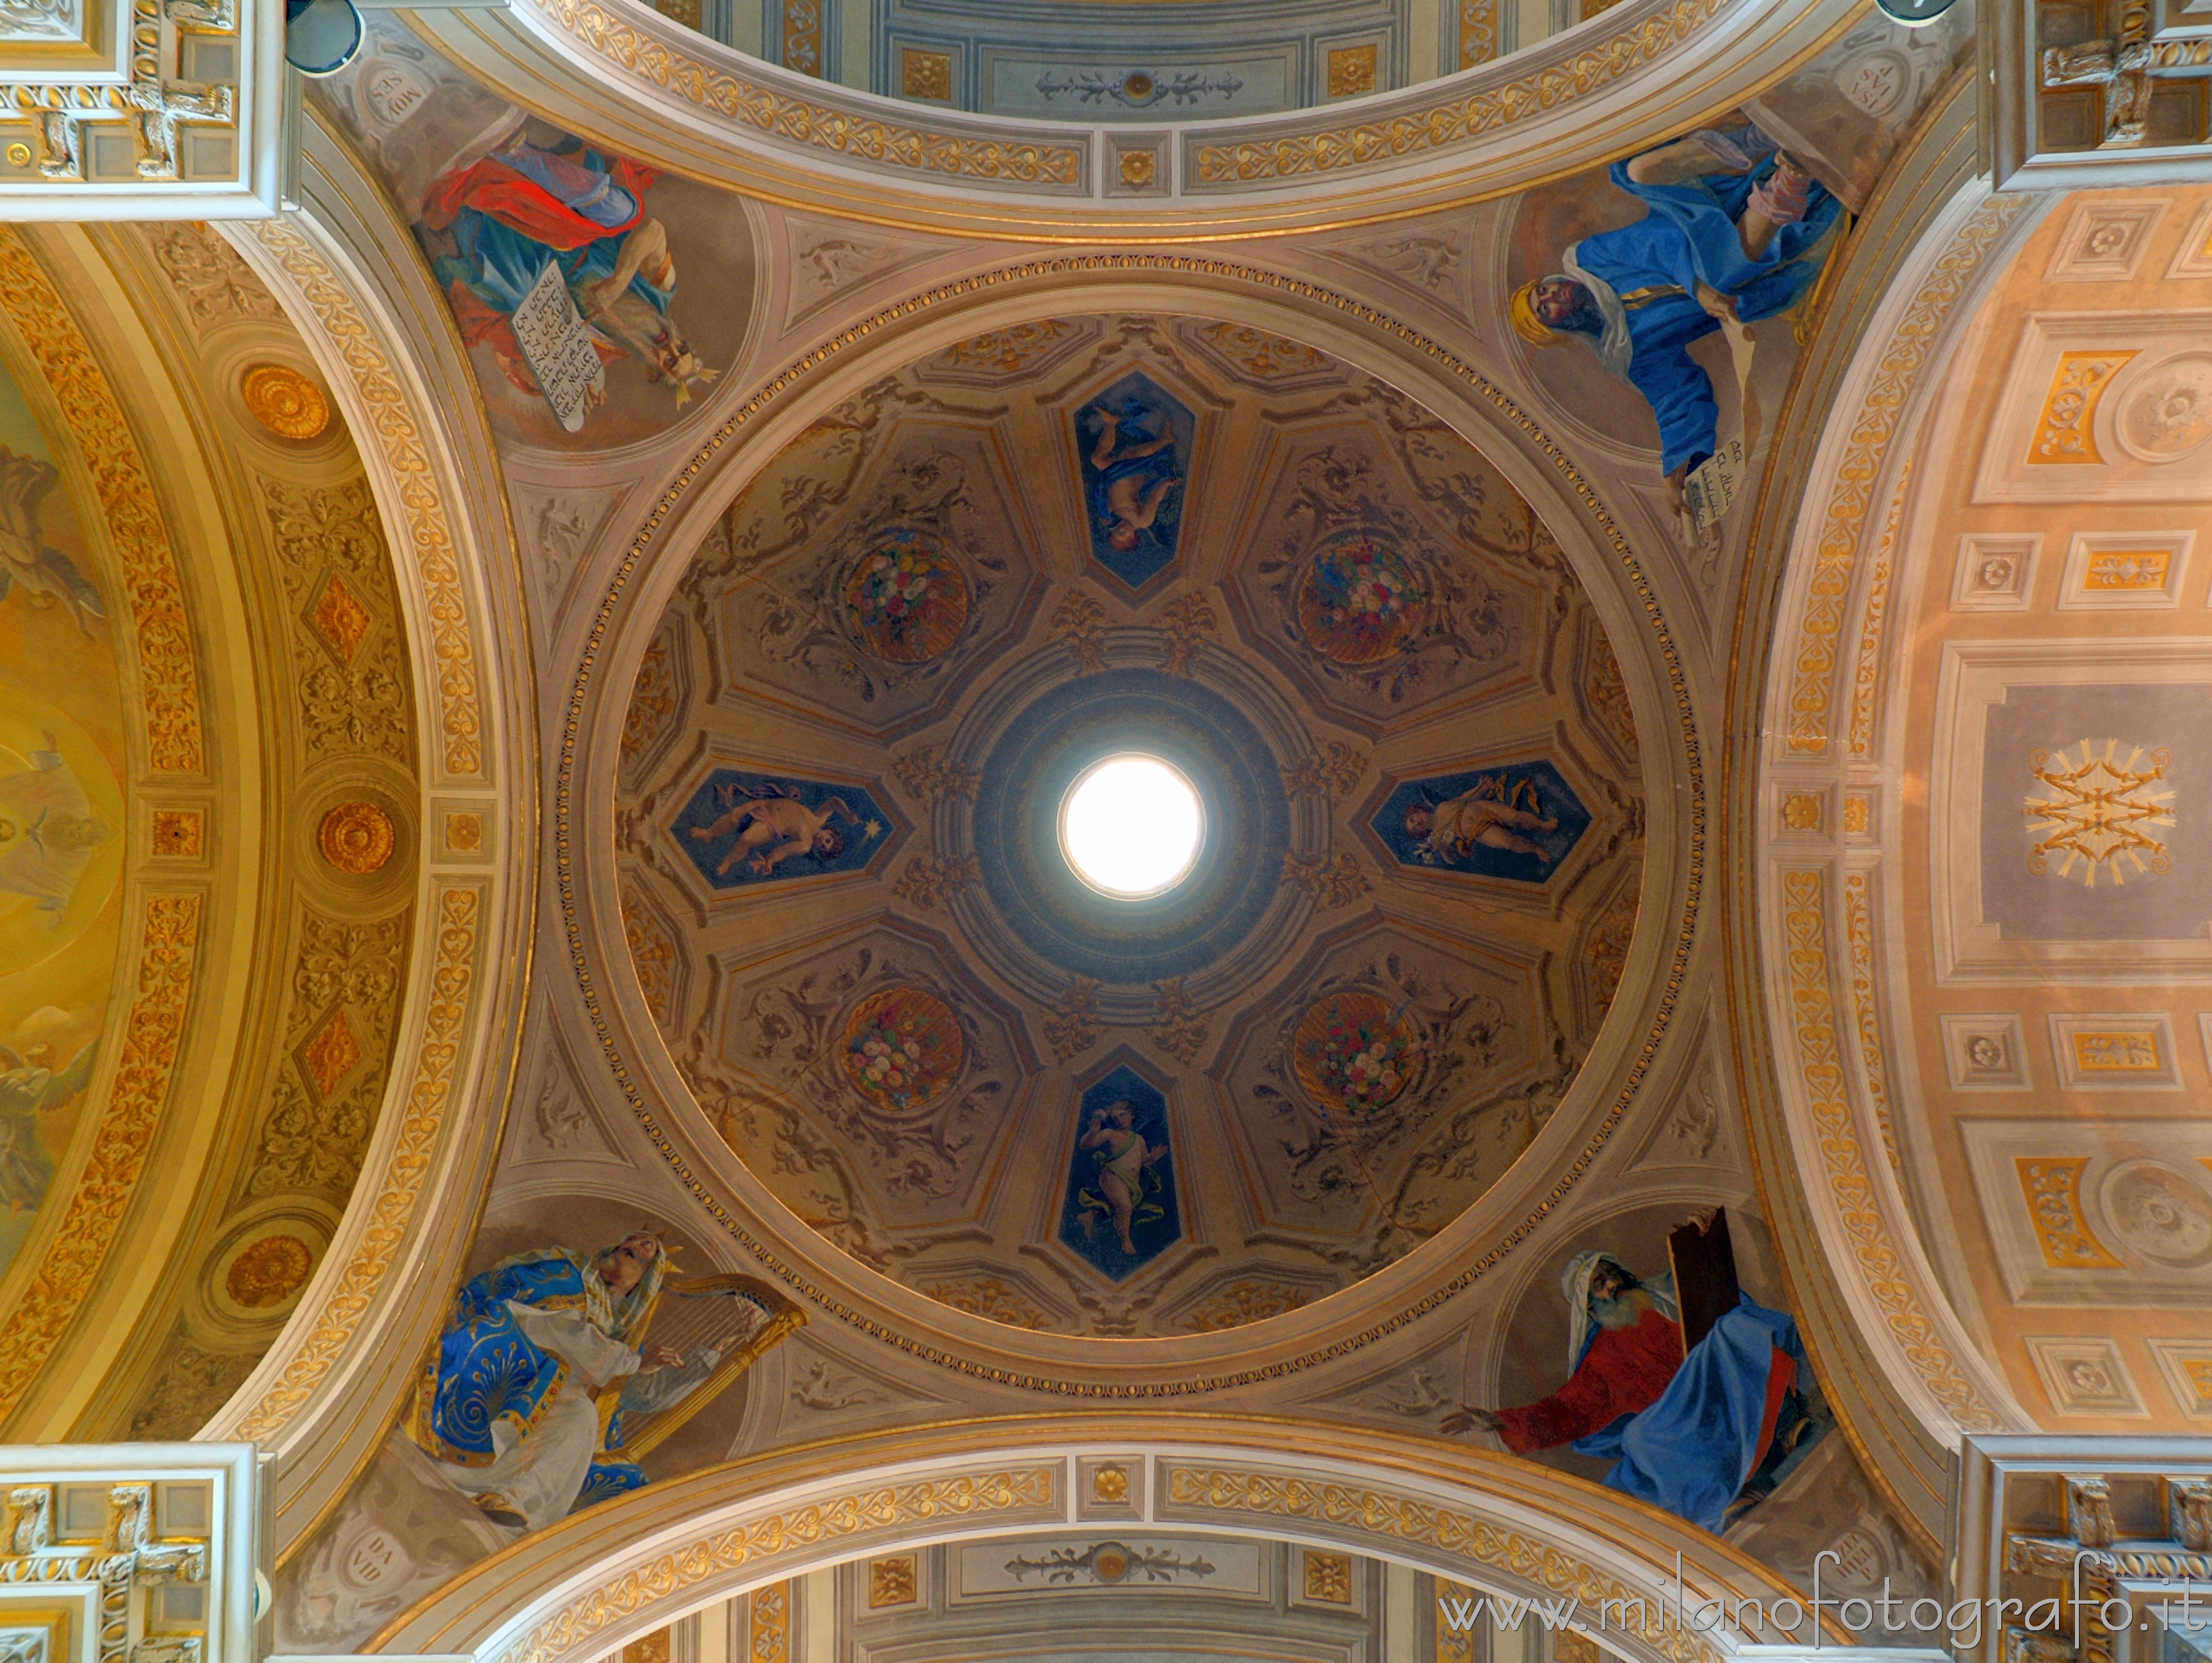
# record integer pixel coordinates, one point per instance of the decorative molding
(457, 945)
(2127, 571)
(99, 1540)
(963, 1498)
(1676, 933)
(427, 533)
(131, 108)
(1542, 91)
(1885, 1278)
(2084, 1376)
(1995, 573)
(2127, 1051)
(1866, 446)
(815, 125)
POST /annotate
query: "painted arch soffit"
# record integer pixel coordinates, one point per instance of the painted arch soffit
(602, 1579)
(746, 1214)
(670, 96)
(2024, 976)
(379, 1291)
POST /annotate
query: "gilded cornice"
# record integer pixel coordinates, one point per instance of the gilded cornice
(633, 79)
(1470, 1514)
(427, 539)
(339, 1304)
(322, 1397)
(1389, 1303)
(1806, 953)
(1446, 126)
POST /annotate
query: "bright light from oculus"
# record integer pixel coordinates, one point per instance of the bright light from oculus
(1131, 827)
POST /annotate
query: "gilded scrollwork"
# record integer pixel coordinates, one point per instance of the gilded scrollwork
(1819, 1064)
(456, 948)
(350, 676)
(1843, 521)
(1368, 144)
(427, 535)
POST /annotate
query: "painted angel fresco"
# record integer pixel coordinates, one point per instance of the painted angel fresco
(1516, 822)
(31, 1086)
(48, 831)
(1120, 1210)
(514, 1405)
(493, 228)
(1734, 229)
(1136, 439)
(1704, 1417)
(43, 576)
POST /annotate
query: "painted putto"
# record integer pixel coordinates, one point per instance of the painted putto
(880, 973)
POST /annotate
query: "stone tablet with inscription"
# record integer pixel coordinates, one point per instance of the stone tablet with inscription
(557, 346)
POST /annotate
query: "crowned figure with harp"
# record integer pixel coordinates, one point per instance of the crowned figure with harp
(543, 1392)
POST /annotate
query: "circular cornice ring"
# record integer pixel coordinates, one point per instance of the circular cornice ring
(1676, 952)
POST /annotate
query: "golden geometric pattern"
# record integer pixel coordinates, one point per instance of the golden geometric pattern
(356, 838)
(892, 1581)
(1139, 168)
(2134, 1051)
(1110, 1483)
(1546, 91)
(2127, 568)
(331, 1054)
(1328, 1577)
(2095, 810)
(2053, 1188)
(2066, 431)
(464, 832)
(284, 401)
(180, 833)
(1802, 810)
(453, 979)
(1351, 71)
(269, 1271)
(926, 75)
(1881, 1269)
(341, 619)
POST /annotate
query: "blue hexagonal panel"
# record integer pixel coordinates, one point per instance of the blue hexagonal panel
(1516, 821)
(1120, 1212)
(1135, 441)
(741, 828)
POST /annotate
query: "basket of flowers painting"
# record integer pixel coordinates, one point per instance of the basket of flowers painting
(906, 598)
(902, 1048)
(1360, 602)
(1353, 1052)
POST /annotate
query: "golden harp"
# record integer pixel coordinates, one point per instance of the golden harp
(737, 1317)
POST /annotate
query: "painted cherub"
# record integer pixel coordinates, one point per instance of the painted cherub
(772, 824)
(1125, 1163)
(1488, 812)
(1132, 479)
